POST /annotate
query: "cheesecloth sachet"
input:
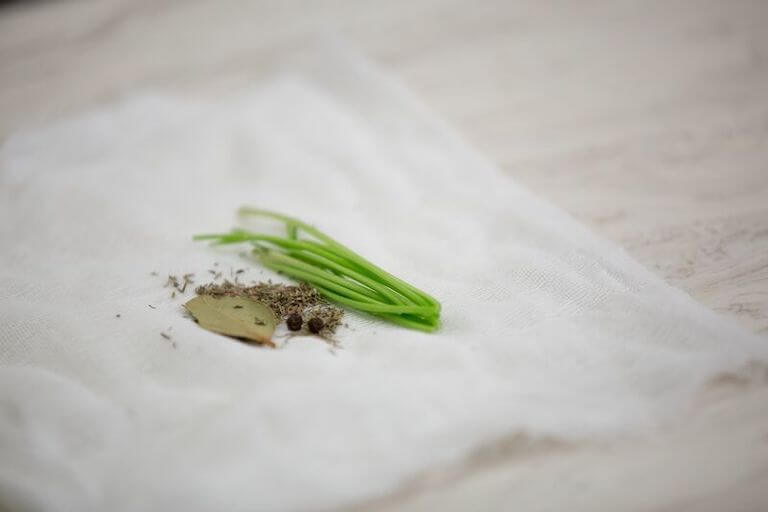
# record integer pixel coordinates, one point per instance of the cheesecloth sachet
(548, 330)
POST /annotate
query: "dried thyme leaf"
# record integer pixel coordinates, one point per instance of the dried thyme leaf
(239, 317)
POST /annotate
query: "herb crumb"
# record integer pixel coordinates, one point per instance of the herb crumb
(187, 280)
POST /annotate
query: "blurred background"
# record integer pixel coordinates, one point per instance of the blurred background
(647, 120)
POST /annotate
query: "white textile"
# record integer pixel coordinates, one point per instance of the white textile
(547, 329)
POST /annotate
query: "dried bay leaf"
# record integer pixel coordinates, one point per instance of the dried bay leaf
(239, 317)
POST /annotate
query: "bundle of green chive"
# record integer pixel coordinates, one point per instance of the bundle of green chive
(337, 272)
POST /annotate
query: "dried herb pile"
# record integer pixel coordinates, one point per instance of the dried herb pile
(335, 271)
(285, 301)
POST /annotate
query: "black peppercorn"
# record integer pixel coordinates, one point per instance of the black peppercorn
(315, 325)
(294, 321)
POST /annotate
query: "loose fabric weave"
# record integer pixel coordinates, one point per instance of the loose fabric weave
(548, 331)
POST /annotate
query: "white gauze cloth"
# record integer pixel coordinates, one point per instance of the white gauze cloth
(548, 330)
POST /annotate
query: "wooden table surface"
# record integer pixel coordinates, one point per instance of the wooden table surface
(647, 120)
